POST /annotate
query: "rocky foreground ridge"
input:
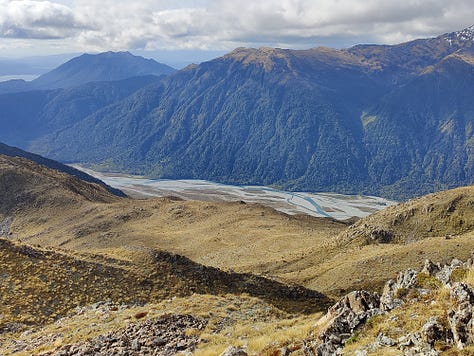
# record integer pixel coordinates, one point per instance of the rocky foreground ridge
(425, 312)
(453, 328)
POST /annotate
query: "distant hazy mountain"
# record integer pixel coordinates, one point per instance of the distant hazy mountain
(12, 67)
(102, 67)
(392, 120)
(27, 116)
(109, 66)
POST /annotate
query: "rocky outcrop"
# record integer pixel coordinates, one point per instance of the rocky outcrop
(390, 298)
(341, 320)
(353, 310)
(5, 225)
(442, 273)
(433, 331)
(460, 317)
(162, 336)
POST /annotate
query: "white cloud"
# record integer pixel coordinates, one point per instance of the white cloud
(225, 24)
(37, 19)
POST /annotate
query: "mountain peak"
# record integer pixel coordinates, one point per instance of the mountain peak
(263, 56)
(106, 66)
(466, 35)
(462, 37)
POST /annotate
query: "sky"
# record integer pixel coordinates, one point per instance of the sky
(200, 27)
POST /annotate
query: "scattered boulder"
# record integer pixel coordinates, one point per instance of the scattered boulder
(384, 340)
(410, 341)
(233, 351)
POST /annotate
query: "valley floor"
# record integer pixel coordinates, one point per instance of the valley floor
(329, 205)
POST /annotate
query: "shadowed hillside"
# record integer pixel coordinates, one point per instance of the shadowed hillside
(15, 152)
(40, 285)
(25, 185)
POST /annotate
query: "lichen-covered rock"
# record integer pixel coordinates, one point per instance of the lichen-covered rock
(444, 274)
(414, 345)
(407, 279)
(433, 331)
(460, 317)
(233, 351)
(430, 268)
(341, 320)
(389, 299)
(384, 340)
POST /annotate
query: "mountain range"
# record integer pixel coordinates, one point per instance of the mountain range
(389, 120)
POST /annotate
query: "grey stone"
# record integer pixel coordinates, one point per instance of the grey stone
(343, 318)
(158, 341)
(460, 317)
(405, 280)
(456, 263)
(387, 300)
(384, 340)
(432, 331)
(430, 268)
(233, 351)
(135, 345)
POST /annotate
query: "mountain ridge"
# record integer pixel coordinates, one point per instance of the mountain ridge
(275, 116)
(313, 120)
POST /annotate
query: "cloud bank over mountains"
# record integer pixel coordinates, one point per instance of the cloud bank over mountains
(226, 24)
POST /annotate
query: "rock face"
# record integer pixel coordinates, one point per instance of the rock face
(164, 336)
(390, 299)
(460, 317)
(353, 310)
(342, 319)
